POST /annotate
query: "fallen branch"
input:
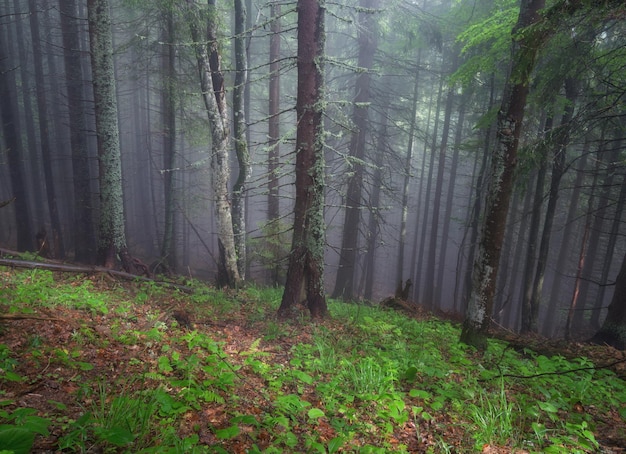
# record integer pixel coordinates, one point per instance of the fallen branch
(28, 317)
(68, 268)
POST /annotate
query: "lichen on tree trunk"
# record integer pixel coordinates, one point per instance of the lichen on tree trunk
(306, 260)
(111, 234)
(504, 160)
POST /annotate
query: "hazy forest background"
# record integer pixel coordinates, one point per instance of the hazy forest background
(412, 93)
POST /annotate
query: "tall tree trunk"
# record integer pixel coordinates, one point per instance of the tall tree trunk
(551, 321)
(476, 206)
(368, 43)
(613, 330)
(558, 169)
(448, 213)
(56, 238)
(241, 141)
(421, 282)
(599, 213)
(112, 237)
(30, 147)
(431, 265)
(214, 97)
(273, 161)
(408, 163)
(373, 230)
(168, 117)
(504, 159)
(306, 259)
(533, 233)
(14, 151)
(418, 246)
(613, 237)
(83, 230)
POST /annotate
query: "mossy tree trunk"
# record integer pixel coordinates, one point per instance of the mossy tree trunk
(305, 275)
(504, 158)
(241, 143)
(214, 96)
(111, 235)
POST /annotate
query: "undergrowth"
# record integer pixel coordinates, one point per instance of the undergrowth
(367, 380)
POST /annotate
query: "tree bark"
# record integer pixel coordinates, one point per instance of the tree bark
(306, 259)
(533, 233)
(241, 142)
(613, 330)
(214, 97)
(112, 238)
(168, 118)
(57, 248)
(558, 169)
(504, 157)
(408, 163)
(83, 230)
(12, 140)
(368, 43)
(273, 161)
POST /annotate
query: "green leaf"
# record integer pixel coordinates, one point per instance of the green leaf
(229, 432)
(84, 366)
(117, 435)
(420, 393)
(164, 364)
(315, 413)
(335, 444)
(16, 439)
(411, 373)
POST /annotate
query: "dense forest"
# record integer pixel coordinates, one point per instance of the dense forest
(470, 153)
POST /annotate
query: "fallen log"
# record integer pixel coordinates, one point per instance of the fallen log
(85, 269)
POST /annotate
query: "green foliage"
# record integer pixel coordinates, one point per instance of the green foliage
(367, 377)
(19, 427)
(486, 43)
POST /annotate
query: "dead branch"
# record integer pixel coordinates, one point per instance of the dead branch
(28, 317)
(69, 268)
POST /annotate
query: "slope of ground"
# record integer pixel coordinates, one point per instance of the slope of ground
(93, 364)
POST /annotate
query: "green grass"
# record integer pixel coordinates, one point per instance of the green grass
(367, 380)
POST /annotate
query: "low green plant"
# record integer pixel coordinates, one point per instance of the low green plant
(494, 418)
(369, 377)
(19, 427)
(113, 422)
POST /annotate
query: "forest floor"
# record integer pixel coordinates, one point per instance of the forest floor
(96, 364)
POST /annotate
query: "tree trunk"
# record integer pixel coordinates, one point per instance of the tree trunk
(367, 36)
(533, 233)
(213, 95)
(431, 265)
(30, 147)
(408, 163)
(168, 117)
(504, 159)
(421, 283)
(551, 322)
(112, 238)
(613, 330)
(373, 230)
(273, 161)
(449, 216)
(83, 230)
(11, 136)
(57, 249)
(241, 142)
(558, 169)
(306, 259)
